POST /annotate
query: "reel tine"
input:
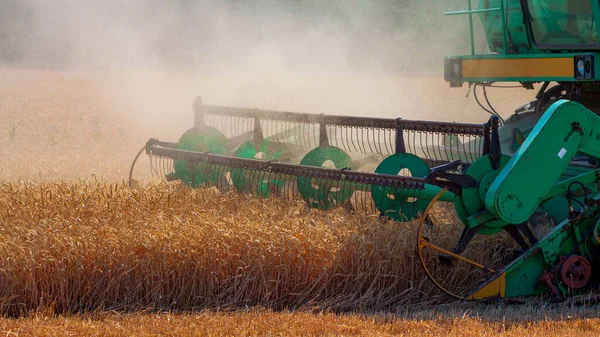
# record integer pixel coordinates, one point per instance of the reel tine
(343, 139)
(154, 169)
(361, 139)
(304, 140)
(221, 124)
(438, 139)
(447, 148)
(352, 138)
(247, 124)
(253, 182)
(171, 166)
(384, 138)
(443, 156)
(272, 126)
(278, 132)
(217, 175)
(216, 183)
(163, 166)
(369, 142)
(222, 183)
(309, 135)
(336, 138)
(259, 184)
(414, 145)
(377, 136)
(355, 140)
(159, 168)
(315, 134)
(238, 130)
(424, 149)
(151, 168)
(291, 192)
(433, 146)
(329, 191)
(373, 139)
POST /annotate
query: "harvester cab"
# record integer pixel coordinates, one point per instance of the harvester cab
(500, 176)
(531, 41)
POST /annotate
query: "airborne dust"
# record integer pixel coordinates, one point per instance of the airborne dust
(83, 84)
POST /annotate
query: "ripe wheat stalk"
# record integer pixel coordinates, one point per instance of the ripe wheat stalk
(72, 247)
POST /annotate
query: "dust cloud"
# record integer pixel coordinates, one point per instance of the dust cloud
(129, 70)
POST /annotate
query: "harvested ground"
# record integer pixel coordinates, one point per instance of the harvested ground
(291, 324)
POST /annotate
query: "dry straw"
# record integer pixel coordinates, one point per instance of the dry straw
(73, 247)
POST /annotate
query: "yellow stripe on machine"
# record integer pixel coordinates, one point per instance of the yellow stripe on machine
(518, 67)
(494, 289)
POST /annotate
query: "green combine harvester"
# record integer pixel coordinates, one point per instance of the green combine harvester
(501, 176)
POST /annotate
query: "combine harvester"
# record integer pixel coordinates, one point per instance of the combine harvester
(500, 175)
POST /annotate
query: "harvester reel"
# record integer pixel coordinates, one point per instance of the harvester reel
(392, 202)
(207, 139)
(244, 181)
(323, 193)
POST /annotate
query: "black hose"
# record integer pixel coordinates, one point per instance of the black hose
(555, 90)
(133, 165)
(493, 113)
(491, 107)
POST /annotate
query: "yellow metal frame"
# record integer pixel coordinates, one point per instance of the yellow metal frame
(422, 243)
(518, 67)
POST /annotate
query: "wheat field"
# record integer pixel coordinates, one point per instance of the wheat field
(83, 247)
(82, 253)
(89, 257)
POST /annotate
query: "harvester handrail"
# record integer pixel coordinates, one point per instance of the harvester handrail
(473, 11)
(470, 11)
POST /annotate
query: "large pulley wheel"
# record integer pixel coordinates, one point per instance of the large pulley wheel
(396, 203)
(472, 199)
(575, 271)
(324, 193)
(424, 243)
(260, 183)
(207, 139)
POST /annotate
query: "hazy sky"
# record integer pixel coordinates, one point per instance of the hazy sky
(340, 35)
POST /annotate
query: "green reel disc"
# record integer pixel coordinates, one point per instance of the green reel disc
(207, 139)
(472, 198)
(392, 202)
(244, 181)
(320, 193)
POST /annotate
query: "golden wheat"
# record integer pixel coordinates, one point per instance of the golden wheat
(88, 246)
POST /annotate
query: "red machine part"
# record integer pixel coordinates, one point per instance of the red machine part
(575, 271)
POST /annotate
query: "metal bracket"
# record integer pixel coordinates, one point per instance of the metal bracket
(400, 145)
(323, 138)
(258, 136)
